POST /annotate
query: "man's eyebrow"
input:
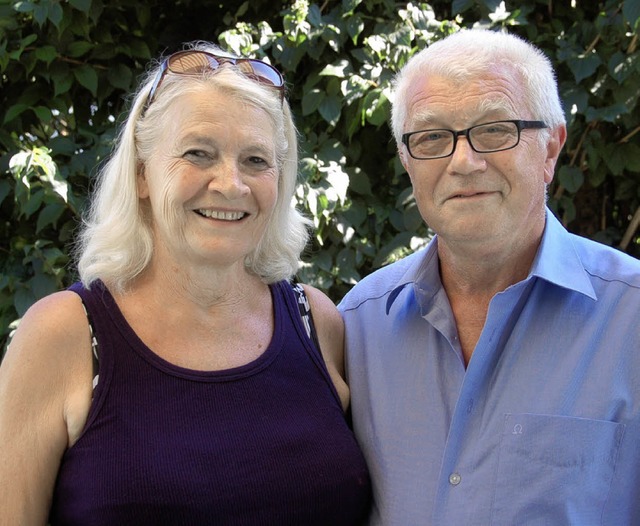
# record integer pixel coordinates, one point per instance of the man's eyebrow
(422, 118)
(493, 105)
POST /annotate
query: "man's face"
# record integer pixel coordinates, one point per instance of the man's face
(493, 200)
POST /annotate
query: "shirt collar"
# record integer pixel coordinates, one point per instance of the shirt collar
(556, 262)
(423, 273)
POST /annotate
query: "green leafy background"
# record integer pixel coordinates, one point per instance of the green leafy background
(66, 68)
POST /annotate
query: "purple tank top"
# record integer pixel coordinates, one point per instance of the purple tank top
(266, 443)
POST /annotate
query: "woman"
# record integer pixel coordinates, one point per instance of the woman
(210, 401)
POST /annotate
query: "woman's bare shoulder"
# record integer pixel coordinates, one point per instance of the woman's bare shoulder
(53, 323)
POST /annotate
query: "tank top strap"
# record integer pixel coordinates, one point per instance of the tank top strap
(96, 301)
(291, 298)
(305, 312)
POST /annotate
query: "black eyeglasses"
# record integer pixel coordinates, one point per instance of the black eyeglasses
(192, 62)
(483, 138)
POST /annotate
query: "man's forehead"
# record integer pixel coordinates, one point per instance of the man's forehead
(437, 99)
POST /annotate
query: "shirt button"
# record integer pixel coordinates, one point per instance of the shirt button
(454, 479)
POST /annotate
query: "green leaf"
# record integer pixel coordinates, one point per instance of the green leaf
(46, 54)
(597, 175)
(311, 101)
(40, 13)
(621, 157)
(569, 208)
(339, 69)
(355, 27)
(24, 43)
(87, 77)
(49, 215)
(42, 285)
(14, 111)
(583, 66)
(412, 218)
(349, 5)
(55, 13)
(5, 188)
(631, 11)
(81, 5)
(323, 261)
(33, 204)
(23, 299)
(140, 49)
(576, 96)
(622, 66)
(356, 214)
(79, 48)
(630, 153)
(120, 76)
(346, 264)
(62, 83)
(24, 7)
(608, 113)
(375, 107)
(43, 113)
(571, 177)
(62, 145)
(460, 6)
(360, 183)
(330, 109)
(315, 16)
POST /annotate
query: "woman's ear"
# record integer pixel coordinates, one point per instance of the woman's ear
(141, 181)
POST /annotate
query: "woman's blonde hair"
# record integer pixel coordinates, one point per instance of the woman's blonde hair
(116, 243)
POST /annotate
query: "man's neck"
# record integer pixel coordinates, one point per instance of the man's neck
(471, 278)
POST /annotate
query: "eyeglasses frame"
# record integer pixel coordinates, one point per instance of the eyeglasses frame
(520, 125)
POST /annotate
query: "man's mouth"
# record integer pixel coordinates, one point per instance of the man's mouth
(469, 194)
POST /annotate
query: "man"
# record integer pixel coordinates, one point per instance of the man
(495, 375)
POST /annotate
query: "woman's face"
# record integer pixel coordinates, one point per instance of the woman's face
(211, 184)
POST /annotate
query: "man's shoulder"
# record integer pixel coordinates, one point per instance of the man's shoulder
(380, 283)
(607, 263)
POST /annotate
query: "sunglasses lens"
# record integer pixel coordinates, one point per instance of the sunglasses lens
(191, 63)
(194, 62)
(265, 72)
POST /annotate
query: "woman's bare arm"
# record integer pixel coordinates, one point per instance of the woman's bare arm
(330, 329)
(45, 394)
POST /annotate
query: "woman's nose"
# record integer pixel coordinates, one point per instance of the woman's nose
(228, 180)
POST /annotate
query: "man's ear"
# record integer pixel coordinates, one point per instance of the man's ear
(402, 154)
(141, 181)
(554, 147)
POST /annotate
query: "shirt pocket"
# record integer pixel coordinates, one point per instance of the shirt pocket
(554, 469)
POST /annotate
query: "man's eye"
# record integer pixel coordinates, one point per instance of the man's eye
(495, 129)
(434, 136)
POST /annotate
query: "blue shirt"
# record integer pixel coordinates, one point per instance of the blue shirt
(542, 427)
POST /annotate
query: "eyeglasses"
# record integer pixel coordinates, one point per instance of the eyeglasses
(192, 62)
(483, 138)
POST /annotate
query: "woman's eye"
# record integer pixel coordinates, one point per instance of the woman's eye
(198, 156)
(195, 153)
(258, 161)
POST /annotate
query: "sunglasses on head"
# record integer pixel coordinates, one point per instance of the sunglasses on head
(194, 62)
